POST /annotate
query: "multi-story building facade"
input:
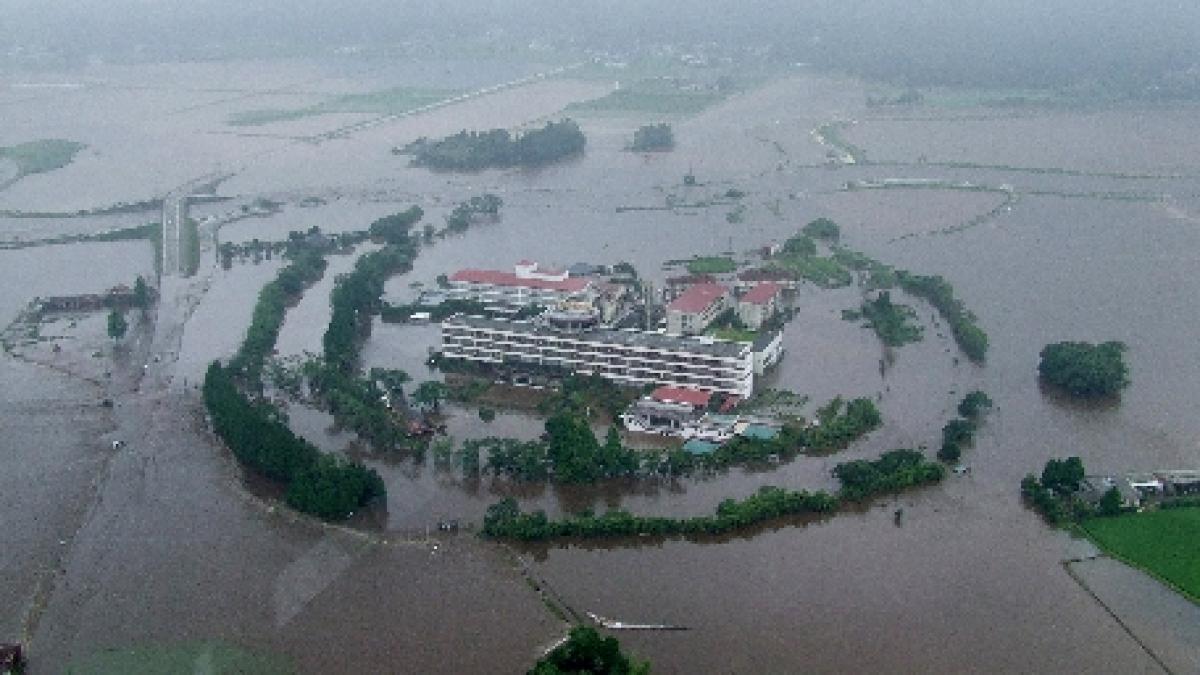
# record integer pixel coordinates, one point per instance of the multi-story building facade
(627, 357)
(693, 311)
(759, 304)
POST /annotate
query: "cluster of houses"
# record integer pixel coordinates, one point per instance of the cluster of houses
(576, 333)
(1139, 489)
(702, 419)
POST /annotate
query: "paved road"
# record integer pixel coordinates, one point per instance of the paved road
(173, 215)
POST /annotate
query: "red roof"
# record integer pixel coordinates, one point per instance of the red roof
(677, 395)
(496, 278)
(698, 298)
(761, 294)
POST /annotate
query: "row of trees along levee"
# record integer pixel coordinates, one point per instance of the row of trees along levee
(356, 402)
(861, 480)
(258, 435)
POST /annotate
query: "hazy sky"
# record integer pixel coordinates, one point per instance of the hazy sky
(1062, 37)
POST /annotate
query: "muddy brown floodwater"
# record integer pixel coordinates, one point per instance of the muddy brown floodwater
(161, 542)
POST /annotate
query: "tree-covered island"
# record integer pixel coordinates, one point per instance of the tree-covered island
(1085, 370)
(499, 149)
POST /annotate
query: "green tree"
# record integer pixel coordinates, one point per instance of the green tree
(973, 404)
(1063, 475)
(1110, 502)
(588, 652)
(431, 393)
(652, 137)
(117, 325)
(823, 228)
(572, 448)
(141, 293)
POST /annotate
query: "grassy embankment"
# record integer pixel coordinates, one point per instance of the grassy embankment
(1162, 543)
(662, 87)
(189, 254)
(711, 265)
(384, 102)
(41, 156)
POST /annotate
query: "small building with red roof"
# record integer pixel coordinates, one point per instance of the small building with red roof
(697, 307)
(759, 304)
(693, 397)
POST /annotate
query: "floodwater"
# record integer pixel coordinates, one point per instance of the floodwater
(172, 546)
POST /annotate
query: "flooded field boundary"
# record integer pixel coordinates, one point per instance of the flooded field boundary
(1067, 566)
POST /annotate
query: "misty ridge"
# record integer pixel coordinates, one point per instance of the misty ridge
(1106, 49)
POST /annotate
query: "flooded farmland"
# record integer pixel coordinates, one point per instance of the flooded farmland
(161, 542)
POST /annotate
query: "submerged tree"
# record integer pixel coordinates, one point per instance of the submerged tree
(117, 325)
(587, 651)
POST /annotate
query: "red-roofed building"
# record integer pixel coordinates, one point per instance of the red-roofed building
(759, 304)
(696, 308)
(692, 397)
(527, 285)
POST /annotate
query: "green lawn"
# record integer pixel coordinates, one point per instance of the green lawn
(711, 265)
(42, 155)
(384, 102)
(1165, 543)
(734, 334)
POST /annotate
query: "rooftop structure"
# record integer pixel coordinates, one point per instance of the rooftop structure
(692, 397)
(527, 284)
(762, 293)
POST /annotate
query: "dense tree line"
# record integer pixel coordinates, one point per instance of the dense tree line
(892, 472)
(587, 652)
(971, 339)
(798, 257)
(356, 403)
(894, 324)
(837, 428)
(1085, 370)
(1055, 494)
(356, 296)
(959, 433)
(505, 519)
(568, 452)
(258, 436)
(497, 148)
(306, 268)
(861, 479)
(394, 229)
(653, 138)
(466, 212)
(823, 228)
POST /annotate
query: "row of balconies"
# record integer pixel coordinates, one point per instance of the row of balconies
(582, 346)
(668, 364)
(740, 385)
(702, 379)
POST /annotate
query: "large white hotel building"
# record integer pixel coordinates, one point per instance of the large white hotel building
(628, 357)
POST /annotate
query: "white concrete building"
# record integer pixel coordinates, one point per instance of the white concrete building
(627, 357)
